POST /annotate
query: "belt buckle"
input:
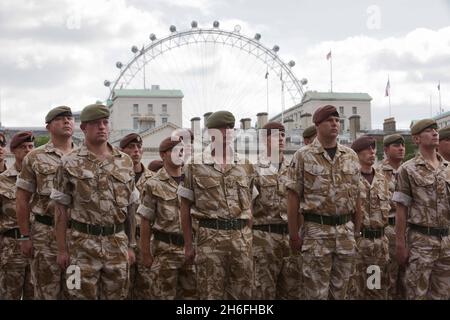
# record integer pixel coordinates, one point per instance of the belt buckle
(321, 219)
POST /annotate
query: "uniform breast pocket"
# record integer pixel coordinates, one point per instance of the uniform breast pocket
(243, 194)
(167, 203)
(382, 202)
(316, 179)
(44, 178)
(120, 188)
(268, 192)
(207, 193)
(84, 183)
(425, 191)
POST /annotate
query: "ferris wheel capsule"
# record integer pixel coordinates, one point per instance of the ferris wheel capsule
(276, 48)
(291, 63)
(134, 49)
(173, 29)
(216, 24)
(194, 24)
(257, 36)
(152, 37)
(119, 65)
(106, 83)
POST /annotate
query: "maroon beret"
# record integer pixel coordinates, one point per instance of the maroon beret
(155, 165)
(21, 137)
(168, 143)
(323, 113)
(183, 132)
(363, 143)
(273, 125)
(129, 138)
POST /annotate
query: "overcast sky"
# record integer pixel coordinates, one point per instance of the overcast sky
(60, 52)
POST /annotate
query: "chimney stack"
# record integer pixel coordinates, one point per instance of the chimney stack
(246, 123)
(195, 126)
(354, 126)
(262, 119)
(389, 126)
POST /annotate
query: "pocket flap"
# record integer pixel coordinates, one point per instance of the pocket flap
(206, 182)
(80, 173)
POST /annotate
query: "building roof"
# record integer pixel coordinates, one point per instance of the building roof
(442, 115)
(335, 96)
(147, 93)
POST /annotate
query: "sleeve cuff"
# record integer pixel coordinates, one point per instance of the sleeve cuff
(186, 193)
(402, 198)
(146, 212)
(25, 185)
(60, 197)
(290, 185)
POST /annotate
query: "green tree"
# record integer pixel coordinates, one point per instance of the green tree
(41, 140)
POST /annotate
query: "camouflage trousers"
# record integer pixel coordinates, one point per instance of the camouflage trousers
(372, 256)
(46, 275)
(15, 279)
(139, 278)
(328, 262)
(224, 264)
(103, 266)
(277, 270)
(428, 271)
(396, 275)
(170, 277)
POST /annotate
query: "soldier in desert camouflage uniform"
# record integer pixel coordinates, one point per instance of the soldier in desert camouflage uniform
(171, 277)
(97, 182)
(444, 143)
(2, 152)
(423, 217)
(277, 269)
(131, 144)
(394, 149)
(217, 194)
(309, 134)
(34, 186)
(372, 243)
(323, 182)
(15, 279)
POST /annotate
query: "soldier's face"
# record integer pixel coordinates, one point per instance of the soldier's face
(135, 151)
(308, 140)
(62, 126)
(428, 138)
(276, 139)
(444, 147)
(174, 157)
(96, 132)
(2, 149)
(21, 151)
(395, 151)
(367, 156)
(329, 128)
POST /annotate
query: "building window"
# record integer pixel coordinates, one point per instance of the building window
(135, 123)
(341, 111)
(164, 120)
(164, 108)
(342, 122)
(355, 110)
(135, 108)
(149, 108)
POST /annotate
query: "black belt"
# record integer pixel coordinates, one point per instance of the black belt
(170, 238)
(97, 230)
(280, 228)
(429, 231)
(12, 233)
(220, 224)
(391, 221)
(328, 220)
(47, 220)
(372, 233)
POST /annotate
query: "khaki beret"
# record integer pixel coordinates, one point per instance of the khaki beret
(274, 125)
(21, 137)
(309, 132)
(363, 143)
(58, 111)
(423, 124)
(2, 139)
(94, 112)
(155, 165)
(220, 119)
(393, 138)
(168, 143)
(129, 138)
(323, 113)
(444, 133)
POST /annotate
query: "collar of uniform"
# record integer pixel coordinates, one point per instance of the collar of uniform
(420, 160)
(209, 159)
(11, 172)
(317, 147)
(163, 175)
(50, 148)
(385, 166)
(146, 172)
(378, 176)
(84, 151)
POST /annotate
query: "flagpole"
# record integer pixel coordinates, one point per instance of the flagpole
(282, 98)
(390, 113)
(431, 107)
(267, 88)
(440, 102)
(331, 71)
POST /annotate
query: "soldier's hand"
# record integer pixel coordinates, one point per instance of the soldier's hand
(131, 256)
(26, 246)
(63, 260)
(402, 254)
(147, 260)
(296, 243)
(189, 254)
